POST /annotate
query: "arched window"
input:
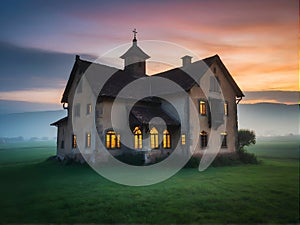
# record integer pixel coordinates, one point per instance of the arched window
(113, 140)
(203, 139)
(154, 138)
(166, 139)
(138, 138)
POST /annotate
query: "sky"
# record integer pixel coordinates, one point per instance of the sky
(257, 41)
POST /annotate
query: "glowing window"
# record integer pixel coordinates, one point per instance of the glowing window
(183, 139)
(88, 140)
(88, 109)
(113, 140)
(202, 107)
(154, 138)
(226, 108)
(203, 139)
(138, 138)
(74, 141)
(166, 139)
(224, 140)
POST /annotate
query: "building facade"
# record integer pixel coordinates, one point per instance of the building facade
(142, 130)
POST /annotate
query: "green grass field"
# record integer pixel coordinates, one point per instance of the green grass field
(35, 191)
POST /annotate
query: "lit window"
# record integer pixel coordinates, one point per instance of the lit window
(77, 110)
(202, 108)
(138, 138)
(88, 109)
(166, 139)
(113, 140)
(226, 108)
(154, 138)
(183, 139)
(74, 141)
(224, 140)
(203, 139)
(88, 140)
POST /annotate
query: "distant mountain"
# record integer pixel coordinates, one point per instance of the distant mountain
(265, 119)
(7, 107)
(30, 124)
(268, 119)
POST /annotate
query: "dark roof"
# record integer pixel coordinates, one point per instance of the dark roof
(135, 50)
(58, 122)
(144, 114)
(120, 78)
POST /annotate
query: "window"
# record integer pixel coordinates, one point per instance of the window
(154, 138)
(88, 140)
(166, 139)
(113, 140)
(215, 70)
(226, 108)
(88, 109)
(183, 139)
(202, 108)
(224, 140)
(74, 141)
(99, 108)
(203, 139)
(138, 138)
(214, 84)
(77, 110)
(62, 144)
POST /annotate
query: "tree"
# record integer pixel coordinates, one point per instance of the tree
(246, 138)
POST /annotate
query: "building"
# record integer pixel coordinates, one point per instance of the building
(147, 135)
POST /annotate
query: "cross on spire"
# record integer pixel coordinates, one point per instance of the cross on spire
(134, 34)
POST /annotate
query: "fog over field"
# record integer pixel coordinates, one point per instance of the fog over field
(266, 119)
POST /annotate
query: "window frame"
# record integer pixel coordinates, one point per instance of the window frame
(203, 107)
(224, 143)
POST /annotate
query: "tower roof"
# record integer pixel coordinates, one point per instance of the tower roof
(134, 50)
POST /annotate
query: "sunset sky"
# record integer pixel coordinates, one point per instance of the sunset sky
(257, 40)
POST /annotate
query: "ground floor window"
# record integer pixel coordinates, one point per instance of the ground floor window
(138, 138)
(183, 139)
(88, 140)
(74, 141)
(166, 139)
(62, 144)
(154, 138)
(224, 140)
(203, 139)
(113, 140)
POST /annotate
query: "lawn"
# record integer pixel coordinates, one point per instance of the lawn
(35, 191)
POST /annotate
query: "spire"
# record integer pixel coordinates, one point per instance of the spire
(134, 35)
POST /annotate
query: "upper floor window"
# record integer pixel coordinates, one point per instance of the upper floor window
(226, 108)
(88, 109)
(202, 108)
(214, 84)
(77, 110)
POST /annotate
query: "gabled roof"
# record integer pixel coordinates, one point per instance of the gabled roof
(58, 122)
(135, 50)
(120, 78)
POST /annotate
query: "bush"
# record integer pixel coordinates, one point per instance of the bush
(131, 159)
(246, 157)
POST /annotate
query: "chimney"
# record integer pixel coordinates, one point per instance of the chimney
(186, 60)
